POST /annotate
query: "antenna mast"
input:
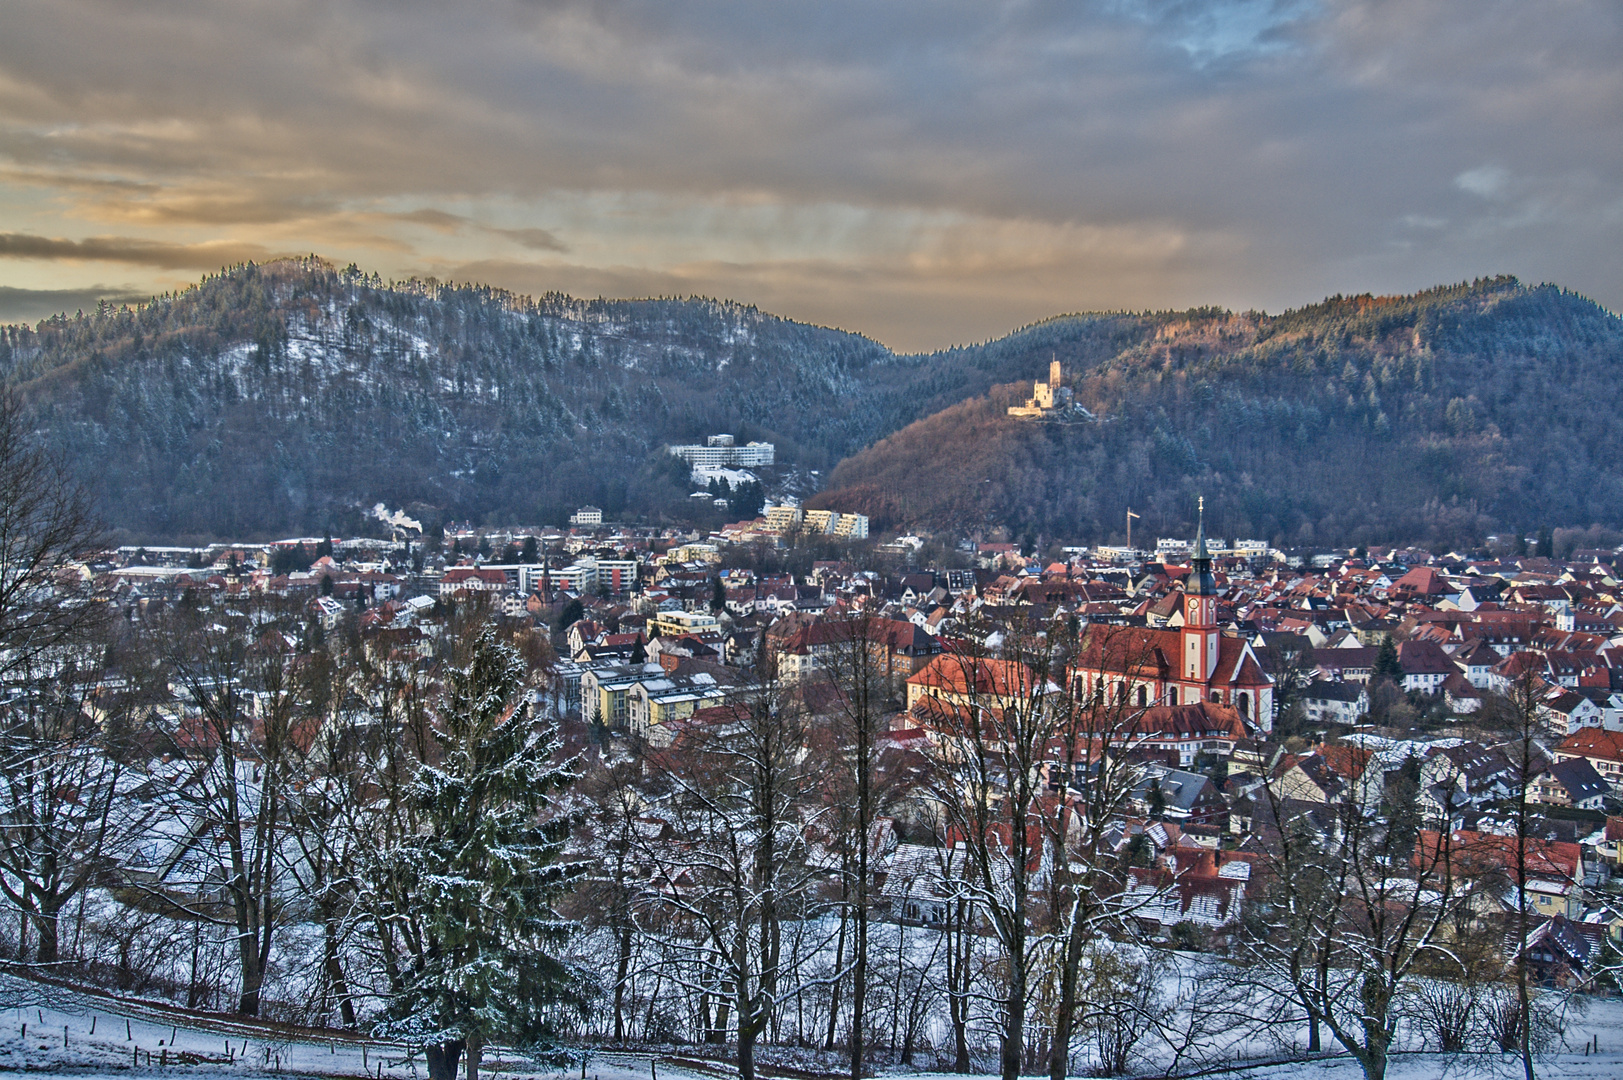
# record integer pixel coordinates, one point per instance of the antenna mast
(1130, 517)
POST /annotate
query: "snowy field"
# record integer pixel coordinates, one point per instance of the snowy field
(45, 1029)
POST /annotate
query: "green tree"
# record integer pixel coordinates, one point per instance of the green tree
(573, 612)
(477, 881)
(1387, 664)
(718, 595)
(1546, 543)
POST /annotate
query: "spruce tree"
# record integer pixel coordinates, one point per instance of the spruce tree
(477, 879)
(1387, 664)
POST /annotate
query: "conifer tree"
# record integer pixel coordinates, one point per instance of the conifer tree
(478, 879)
(1387, 664)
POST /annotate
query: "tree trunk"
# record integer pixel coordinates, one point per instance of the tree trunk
(717, 1035)
(622, 971)
(746, 1052)
(859, 968)
(834, 988)
(1059, 1056)
(1014, 1037)
(958, 981)
(49, 934)
(335, 975)
(253, 976)
(859, 981)
(442, 1059)
(476, 1053)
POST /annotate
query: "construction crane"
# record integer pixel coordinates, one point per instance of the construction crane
(1130, 517)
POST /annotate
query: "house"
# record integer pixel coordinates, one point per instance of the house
(328, 611)
(1188, 885)
(1323, 777)
(1345, 664)
(1487, 862)
(1335, 702)
(1189, 730)
(1463, 775)
(970, 681)
(1461, 695)
(1564, 711)
(667, 695)
(1425, 666)
(472, 579)
(1602, 749)
(1175, 795)
(1564, 952)
(1573, 782)
(1478, 660)
(896, 648)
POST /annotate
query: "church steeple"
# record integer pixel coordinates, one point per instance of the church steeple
(1201, 581)
(1200, 633)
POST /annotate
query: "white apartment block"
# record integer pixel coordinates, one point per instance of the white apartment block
(720, 451)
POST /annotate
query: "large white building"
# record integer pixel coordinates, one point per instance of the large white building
(721, 451)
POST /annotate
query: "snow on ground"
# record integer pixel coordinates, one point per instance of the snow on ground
(50, 1029)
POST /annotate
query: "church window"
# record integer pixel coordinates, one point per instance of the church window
(1143, 697)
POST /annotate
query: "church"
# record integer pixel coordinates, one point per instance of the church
(1192, 663)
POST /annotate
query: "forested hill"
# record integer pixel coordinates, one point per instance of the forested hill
(1440, 416)
(285, 397)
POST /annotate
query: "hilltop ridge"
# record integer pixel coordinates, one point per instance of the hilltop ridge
(1437, 416)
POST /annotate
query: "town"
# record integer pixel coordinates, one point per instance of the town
(990, 773)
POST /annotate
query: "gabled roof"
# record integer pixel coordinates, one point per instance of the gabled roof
(958, 674)
(1593, 742)
(1423, 657)
(1579, 779)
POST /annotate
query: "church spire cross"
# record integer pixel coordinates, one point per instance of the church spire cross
(1200, 532)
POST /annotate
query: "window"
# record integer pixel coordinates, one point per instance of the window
(1143, 696)
(1245, 704)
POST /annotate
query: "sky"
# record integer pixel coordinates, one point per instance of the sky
(925, 173)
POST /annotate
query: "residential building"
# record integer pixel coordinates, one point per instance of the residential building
(681, 623)
(1335, 702)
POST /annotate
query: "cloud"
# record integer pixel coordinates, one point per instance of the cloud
(1485, 180)
(534, 239)
(835, 150)
(121, 249)
(31, 305)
